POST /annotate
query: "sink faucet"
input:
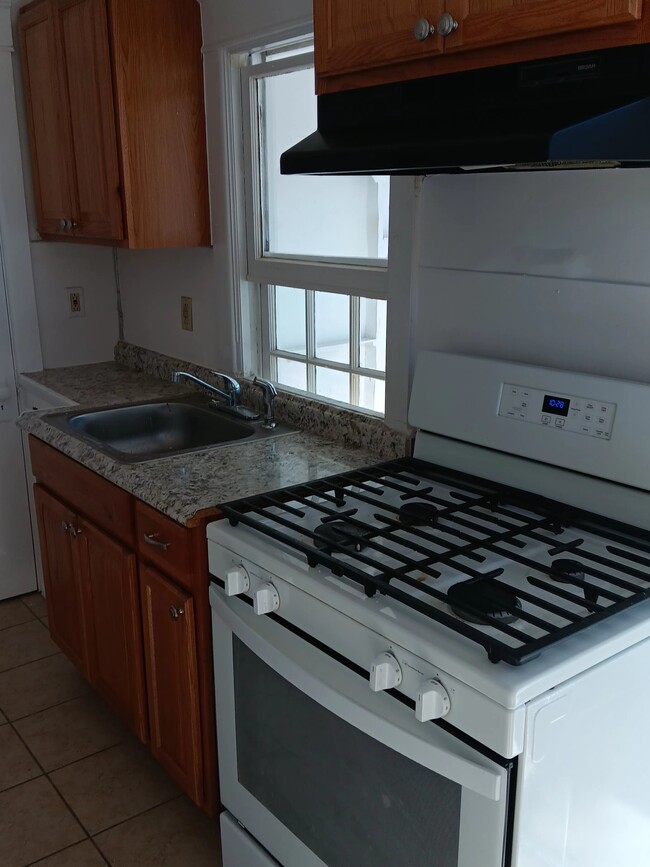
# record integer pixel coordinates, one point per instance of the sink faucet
(269, 393)
(231, 395)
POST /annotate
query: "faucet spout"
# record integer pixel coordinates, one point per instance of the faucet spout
(178, 375)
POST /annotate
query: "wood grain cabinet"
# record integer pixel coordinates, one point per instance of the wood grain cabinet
(114, 104)
(127, 598)
(360, 44)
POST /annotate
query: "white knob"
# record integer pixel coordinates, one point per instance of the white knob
(237, 581)
(432, 701)
(385, 673)
(267, 599)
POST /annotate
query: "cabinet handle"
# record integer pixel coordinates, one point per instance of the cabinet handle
(74, 224)
(66, 527)
(447, 24)
(423, 29)
(70, 530)
(175, 612)
(150, 539)
(63, 224)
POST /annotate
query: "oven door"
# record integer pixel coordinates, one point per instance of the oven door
(323, 771)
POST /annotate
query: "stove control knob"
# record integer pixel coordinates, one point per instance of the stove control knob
(385, 673)
(432, 701)
(237, 581)
(267, 599)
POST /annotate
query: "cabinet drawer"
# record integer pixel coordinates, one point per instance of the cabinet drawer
(97, 499)
(164, 542)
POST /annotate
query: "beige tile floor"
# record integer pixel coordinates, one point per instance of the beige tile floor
(76, 788)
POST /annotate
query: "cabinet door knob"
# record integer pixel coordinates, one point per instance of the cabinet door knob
(447, 24)
(175, 612)
(74, 224)
(423, 29)
(150, 539)
(63, 224)
(65, 527)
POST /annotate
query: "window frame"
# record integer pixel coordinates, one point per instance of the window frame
(354, 278)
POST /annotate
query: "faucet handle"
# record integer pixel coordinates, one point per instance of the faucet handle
(232, 387)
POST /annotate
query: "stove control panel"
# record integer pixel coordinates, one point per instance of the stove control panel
(560, 412)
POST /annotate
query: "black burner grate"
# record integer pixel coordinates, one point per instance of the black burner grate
(481, 520)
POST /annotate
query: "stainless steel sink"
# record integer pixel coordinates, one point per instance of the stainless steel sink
(145, 431)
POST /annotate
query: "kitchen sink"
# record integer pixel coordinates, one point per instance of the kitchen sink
(142, 432)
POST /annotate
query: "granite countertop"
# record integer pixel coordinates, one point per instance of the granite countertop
(190, 486)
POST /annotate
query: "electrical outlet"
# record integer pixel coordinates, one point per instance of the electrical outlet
(75, 296)
(187, 323)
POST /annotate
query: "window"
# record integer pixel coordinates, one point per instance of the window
(317, 247)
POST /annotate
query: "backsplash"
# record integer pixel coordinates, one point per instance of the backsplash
(335, 423)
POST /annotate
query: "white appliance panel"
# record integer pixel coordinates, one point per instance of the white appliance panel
(238, 848)
(462, 397)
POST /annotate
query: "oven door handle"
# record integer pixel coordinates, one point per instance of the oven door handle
(335, 687)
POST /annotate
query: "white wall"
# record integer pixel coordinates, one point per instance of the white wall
(543, 268)
(67, 340)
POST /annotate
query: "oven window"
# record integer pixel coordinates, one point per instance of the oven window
(348, 798)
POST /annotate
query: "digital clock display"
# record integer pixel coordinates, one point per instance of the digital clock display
(556, 405)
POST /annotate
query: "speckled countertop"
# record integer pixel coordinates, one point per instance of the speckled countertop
(187, 486)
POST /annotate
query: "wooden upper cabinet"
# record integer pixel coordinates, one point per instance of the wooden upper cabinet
(352, 35)
(46, 119)
(86, 67)
(483, 23)
(114, 94)
(359, 44)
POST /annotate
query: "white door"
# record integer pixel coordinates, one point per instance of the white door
(17, 568)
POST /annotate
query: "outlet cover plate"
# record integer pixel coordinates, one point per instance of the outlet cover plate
(187, 320)
(75, 298)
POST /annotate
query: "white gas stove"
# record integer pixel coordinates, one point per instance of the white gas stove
(480, 611)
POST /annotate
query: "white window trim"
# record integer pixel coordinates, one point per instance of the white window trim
(244, 294)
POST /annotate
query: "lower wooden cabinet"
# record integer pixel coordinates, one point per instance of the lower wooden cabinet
(63, 577)
(172, 679)
(127, 598)
(114, 630)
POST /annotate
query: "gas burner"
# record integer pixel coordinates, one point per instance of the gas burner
(486, 598)
(569, 571)
(418, 513)
(339, 534)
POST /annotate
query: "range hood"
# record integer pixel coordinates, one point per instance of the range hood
(582, 111)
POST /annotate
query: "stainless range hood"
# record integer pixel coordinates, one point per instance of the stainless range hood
(583, 111)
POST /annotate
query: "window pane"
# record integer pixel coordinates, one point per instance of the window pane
(290, 320)
(332, 327)
(343, 217)
(373, 334)
(372, 393)
(333, 384)
(292, 373)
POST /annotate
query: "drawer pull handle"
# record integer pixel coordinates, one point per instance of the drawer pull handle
(150, 539)
(175, 613)
(70, 529)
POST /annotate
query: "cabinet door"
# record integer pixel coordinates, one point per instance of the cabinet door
(360, 34)
(172, 680)
(483, 23)
(115, 657)
(46, 119)
(82, 32)
(61, 571)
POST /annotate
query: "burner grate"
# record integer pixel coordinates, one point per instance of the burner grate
(477, 522)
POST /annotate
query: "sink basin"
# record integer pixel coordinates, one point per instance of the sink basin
(145, 431)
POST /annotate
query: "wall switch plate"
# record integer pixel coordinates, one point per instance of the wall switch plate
(75, 296)
(187, 322)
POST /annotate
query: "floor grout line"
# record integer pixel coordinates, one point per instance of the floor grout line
(58, 852)
(43, 709)
(137, 815)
